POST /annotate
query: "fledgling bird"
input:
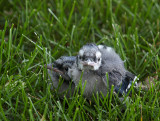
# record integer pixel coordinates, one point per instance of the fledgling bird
(60, 68)
(95, 61)
(85, 68)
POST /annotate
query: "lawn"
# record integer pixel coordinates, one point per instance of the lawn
(37, 32)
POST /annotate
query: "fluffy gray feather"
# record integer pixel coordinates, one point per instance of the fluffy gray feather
(111, 64)
(95, 78)
(60, 69)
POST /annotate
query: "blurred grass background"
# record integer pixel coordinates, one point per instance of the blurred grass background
(34, 33)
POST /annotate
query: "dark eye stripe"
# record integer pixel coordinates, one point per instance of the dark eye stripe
(83, 58)
(66, 68)
(94, 58)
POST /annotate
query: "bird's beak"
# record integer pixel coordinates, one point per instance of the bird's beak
(54, 69)
(89, 63)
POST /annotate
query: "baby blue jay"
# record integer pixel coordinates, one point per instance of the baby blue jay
(86, 68)
(93, 62)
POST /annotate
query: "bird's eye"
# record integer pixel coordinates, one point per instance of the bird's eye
(94, 59)
(99, 59)
(66, 69)
(83, 58)
(80, 57)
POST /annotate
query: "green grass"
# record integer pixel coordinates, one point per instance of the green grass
(36, 32)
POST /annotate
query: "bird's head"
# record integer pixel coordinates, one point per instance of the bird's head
(89, 57)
